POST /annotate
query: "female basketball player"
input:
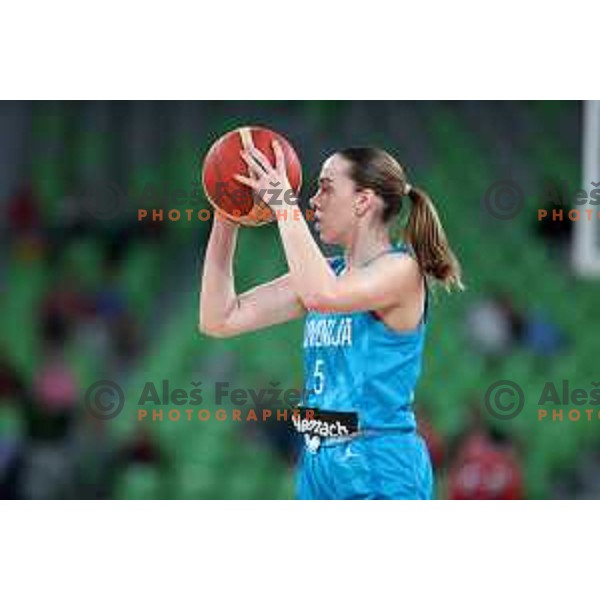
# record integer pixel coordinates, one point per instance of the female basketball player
(365, 310)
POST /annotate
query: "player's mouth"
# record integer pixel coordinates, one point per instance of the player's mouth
(318, 216)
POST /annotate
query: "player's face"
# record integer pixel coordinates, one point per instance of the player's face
(334, 201)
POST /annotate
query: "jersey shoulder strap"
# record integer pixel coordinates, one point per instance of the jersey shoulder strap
(336, 263)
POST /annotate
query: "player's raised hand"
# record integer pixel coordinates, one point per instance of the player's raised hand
(265, 177)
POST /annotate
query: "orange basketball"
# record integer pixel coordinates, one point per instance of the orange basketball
(237, 201)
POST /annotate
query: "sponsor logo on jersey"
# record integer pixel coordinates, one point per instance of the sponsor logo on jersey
(324, 424)
(320, 428)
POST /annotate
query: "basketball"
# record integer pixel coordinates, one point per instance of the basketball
(230, 197)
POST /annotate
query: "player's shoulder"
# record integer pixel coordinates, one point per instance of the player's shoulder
(402, 257)
(397, 269)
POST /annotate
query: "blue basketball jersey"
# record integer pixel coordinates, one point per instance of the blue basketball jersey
(355, 362)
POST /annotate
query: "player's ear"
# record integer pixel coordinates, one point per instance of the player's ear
(364, 201)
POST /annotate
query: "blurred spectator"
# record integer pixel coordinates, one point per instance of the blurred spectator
(64, 307)
(103, 309)
(143, 453)
(142, 448)
(47, 471)
(109, 300)
(11, 382)
(24, 223)
(485, 465)
(23, 212)
(494, 326)
(55, 386)
(516, 319)
(543, 337)
(556, 233)
(46, 465)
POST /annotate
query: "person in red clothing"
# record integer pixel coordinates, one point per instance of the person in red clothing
(486, 467)
(24, 220)
(23, 212)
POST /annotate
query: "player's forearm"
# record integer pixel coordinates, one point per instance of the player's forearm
(217, 296)
(310, 273)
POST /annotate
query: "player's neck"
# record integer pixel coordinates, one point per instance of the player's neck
(364, 248)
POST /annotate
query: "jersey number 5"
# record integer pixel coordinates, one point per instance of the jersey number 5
(319, 376)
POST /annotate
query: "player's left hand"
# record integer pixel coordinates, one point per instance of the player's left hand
(268, 181)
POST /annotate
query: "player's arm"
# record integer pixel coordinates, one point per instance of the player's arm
(222, 313)
(387, 282)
